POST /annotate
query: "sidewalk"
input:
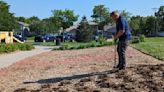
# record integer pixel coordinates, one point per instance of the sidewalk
(8, 59)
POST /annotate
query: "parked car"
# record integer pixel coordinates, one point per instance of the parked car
(45, 38)
(19, 37)
(68, 37)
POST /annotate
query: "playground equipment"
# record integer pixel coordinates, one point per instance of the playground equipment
(7, 37)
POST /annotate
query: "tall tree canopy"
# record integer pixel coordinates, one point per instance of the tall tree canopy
(7, 19)
(101, 15)
(160, 18)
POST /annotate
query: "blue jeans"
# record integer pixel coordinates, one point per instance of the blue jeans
(121, 50)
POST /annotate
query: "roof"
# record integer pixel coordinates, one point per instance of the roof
(109, 26)
(24, 24)
(75, 26)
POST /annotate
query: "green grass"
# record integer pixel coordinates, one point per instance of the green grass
(152, 46)
(30, 39)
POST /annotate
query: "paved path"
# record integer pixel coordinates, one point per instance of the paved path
(8, 59)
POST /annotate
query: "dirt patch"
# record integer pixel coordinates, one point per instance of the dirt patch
(147, 78)
(85, 70)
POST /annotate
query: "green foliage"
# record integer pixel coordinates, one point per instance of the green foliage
(64, 18)
(137, 24)
(160, 18)
(150, 25)
(81, 46)
(135, 39)
(101, 15)
(101, 40)
(25, 47)
(142, 38)
(6, 48)
(64, 47)
(7, 19)
(77, 45)
(84, 32)
(93, 44)
(22, 19)
(138, 39)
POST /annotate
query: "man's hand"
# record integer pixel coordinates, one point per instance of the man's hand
(115, 39)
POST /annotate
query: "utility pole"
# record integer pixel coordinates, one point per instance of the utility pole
(155, 21)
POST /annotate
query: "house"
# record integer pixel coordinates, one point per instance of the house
(109, 30)
(72, 29)
(23, 29)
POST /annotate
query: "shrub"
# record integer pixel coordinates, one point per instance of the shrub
(72, 48)
(135, 40)
(107, 43)
(84, 32)
(102, 40)
(69, 46)
(64, 47)
(88, 45)
(93, 44)
(142, 38)
(6, 48)
(81, 47)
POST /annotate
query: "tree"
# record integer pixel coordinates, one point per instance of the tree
(101, 15)
(32, 20)
(150, 25)
(142, 25)
(36, 28)
(7, 19)
(138, 25)
(36, 25)
(127, 15)
(21, 19)
(84, 32)
(160, 18)
(134, 24)
(64, 18)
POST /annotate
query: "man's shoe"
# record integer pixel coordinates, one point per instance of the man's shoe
(121, 68)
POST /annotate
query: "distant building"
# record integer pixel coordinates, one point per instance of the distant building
(23, 29)
(72, 29)
(109, 30)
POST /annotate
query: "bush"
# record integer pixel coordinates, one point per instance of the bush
(81, 47)
(84, 32)
(93, 44)
(142, 38)
(107, 43)
(64, 47)
(6, 48)
(84, 35)
(72, 46)
(135, 40)
(102, 40)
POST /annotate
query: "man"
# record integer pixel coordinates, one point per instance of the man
(123, 35)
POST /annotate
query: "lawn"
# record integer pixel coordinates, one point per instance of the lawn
(152, 46)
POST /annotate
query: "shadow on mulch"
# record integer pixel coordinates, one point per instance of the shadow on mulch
(59, 79)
